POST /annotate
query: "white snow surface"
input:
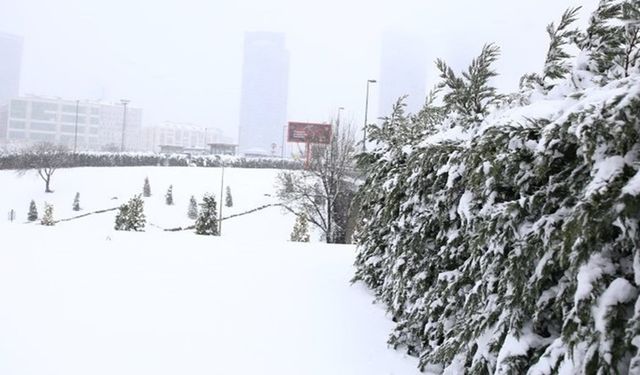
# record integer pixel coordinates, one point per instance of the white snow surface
(464, 208)
(606, 170)
(633, 186)
(589, 273)
(81, 298)
(106, 187)
(619, 291)
(455, 134)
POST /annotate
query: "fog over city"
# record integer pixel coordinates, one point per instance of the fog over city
(182, 60)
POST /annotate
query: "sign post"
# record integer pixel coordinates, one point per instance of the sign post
(309, 133)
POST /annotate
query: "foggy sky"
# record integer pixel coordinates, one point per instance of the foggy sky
(181, 60)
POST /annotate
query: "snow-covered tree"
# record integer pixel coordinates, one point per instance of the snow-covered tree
(300, 231)
(33, 211)
(192, 212)
(47, 217)
(558, 62)
(469, 96)
(228, 198)
(505, 240)
(76, 202)
(207, 221)
(45, 158)
(168, 198)
(323, 191)
(131, 216)
(146, 189)
(612, 40)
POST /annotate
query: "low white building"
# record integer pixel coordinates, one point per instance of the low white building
(178, 135)
(85, 125)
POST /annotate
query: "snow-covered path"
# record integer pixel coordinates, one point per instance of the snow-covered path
(83, 302)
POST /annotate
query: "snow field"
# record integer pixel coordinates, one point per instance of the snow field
(81, 298)
(98, 187)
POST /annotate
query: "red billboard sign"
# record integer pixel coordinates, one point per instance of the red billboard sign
(309, 132)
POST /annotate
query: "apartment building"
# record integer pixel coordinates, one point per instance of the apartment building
(83, 125)
(178, 135)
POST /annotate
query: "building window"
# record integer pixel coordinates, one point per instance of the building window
(44, 111)
(70, 119)
(71, 129)
(14, 124)
(69, 108)
(42, 137)
(43, 126)
(18, 109)
(17, 135)
(67, 139)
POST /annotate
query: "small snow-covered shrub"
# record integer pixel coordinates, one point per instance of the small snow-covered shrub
(47, 217)
(33, 211)
(192, 212)
(131, 216)
(207, 221)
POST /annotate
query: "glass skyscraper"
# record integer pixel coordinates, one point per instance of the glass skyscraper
(263, 104)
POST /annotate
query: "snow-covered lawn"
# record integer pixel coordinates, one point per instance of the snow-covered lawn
(81, 298)
(102, 188)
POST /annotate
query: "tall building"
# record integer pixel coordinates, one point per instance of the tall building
(403, 71)
(263, 104)
(10, 61)
(31, 119)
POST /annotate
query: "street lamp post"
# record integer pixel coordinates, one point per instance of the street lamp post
(221, 192)
(75, 137)
(366, 113)
(340, 109)
(284, 131)
(124, 122)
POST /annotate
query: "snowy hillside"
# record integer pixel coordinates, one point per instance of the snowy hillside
(75, 302)
(81, 298)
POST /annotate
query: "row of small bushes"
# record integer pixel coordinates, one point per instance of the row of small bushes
(108, 159)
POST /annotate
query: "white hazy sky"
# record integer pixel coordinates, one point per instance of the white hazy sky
(181, 60)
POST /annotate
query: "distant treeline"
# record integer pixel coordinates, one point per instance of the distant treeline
(23, 160)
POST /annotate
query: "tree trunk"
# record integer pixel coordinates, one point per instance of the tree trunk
(329, 218)
(46, 181)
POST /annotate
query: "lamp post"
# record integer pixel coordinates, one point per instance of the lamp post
(340, 109)
(221, 198)
(75, 137)
(284, 131)
(124, 121)
(366, 113)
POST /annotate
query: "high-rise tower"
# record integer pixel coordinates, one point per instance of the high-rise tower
(403, 71)
(10, 61)
(263, 105)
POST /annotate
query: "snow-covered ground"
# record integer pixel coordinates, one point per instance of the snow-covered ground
(102, 188)
(81, 298)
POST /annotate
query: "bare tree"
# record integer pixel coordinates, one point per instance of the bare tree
(45, 158)
(322, 191)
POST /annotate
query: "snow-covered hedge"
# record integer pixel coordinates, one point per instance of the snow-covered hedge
(106, 159)
(502, 232)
